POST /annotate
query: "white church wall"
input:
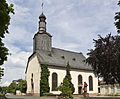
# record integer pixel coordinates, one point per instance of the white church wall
(85, 77)
(74, 74)
(33, 67)
(61, 74)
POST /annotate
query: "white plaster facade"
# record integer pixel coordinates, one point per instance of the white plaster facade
(74, 74)
(33, 68)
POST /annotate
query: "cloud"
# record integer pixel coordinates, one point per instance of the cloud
(72, 23)
(15, 67)
(18, 60)
(5, 83)
(19, 43)
(82, 23)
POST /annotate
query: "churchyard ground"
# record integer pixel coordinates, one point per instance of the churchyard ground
(36, 97)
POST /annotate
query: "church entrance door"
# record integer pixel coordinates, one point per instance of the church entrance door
(80, 90)
(32, 89)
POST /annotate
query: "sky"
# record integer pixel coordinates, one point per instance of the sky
(72, 23)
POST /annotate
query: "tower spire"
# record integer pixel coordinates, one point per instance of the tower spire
(42, 22)
(42, 5)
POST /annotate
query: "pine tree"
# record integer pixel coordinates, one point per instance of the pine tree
(68, 75)
(67, 88)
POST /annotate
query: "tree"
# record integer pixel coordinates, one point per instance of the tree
(67, 88)
(68, 75)
(12, 88)
(117, 19)
(19, 84)
(105, 58)
(44, 83)
(3, 90)
(1, 73)
(22, 85)
(5, 11)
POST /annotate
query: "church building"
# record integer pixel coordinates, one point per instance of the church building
(56, 60)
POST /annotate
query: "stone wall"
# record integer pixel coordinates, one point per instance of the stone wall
(109, 89)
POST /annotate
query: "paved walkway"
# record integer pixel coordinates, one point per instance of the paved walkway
(29, 97)
(36, 97)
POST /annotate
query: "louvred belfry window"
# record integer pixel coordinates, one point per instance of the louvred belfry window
(54, 82)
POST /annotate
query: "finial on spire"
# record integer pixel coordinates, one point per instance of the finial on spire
(42, 15)
(42, 5)
(42, 22)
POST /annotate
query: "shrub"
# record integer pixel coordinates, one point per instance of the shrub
(44, 84)
(67, 88)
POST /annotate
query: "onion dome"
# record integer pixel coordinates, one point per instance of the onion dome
(42, 16)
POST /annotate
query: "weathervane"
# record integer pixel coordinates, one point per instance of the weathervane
(42, 5)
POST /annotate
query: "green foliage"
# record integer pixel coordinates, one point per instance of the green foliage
(44, 83)
(67, 88)
(18, 85)
(117, 94)
(117, 19)
(3, 90)
(69, 77)
(12, 88)
(5, 11)
(105, 58)
(1, 73)
(22, 86)
(48, 93)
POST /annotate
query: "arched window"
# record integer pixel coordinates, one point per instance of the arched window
(32, 84)
(79, 80)
(54, 82)
(90, 83)
(32, 75)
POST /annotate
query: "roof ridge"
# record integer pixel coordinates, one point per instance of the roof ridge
(67, 50)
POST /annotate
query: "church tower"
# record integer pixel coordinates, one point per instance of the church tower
(42, 39)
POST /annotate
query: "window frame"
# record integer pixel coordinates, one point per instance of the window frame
(56, 81)
(90, 82)
(81, 79)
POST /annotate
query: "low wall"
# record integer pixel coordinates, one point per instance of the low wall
(2, 97)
